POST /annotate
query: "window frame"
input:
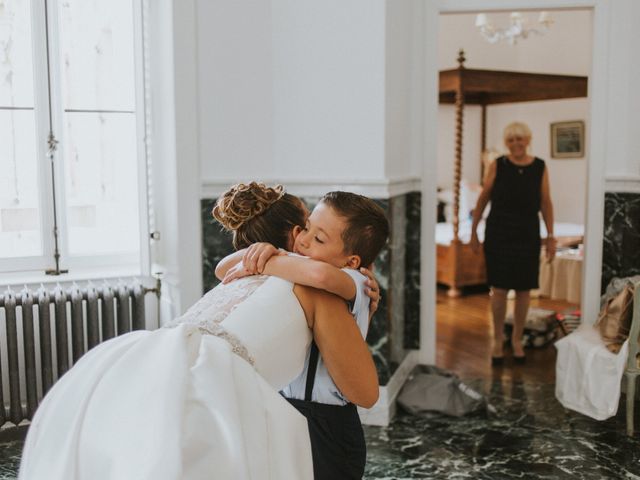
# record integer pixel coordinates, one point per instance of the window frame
(49, 117)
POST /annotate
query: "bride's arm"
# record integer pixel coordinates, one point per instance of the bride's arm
(344, 351)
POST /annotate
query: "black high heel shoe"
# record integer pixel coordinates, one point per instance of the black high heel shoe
(496, 361)
(520, 360)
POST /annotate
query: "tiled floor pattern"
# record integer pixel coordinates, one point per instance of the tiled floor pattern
(529, 437)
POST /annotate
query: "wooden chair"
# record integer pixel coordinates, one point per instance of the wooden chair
(632, 370)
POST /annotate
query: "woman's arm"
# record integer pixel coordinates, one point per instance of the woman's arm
(483, 200)
(546, 207)
(343, 350)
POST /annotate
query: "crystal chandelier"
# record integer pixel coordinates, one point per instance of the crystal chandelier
(519, 27)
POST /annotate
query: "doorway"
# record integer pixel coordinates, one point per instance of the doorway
(595, 145)
(506, 79)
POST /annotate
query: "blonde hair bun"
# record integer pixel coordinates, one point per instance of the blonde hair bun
(243, 201)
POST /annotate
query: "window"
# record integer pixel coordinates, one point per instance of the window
(71, 134)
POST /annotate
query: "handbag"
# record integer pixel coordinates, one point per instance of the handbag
(614, 321)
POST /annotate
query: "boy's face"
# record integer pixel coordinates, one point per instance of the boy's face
(321, 239)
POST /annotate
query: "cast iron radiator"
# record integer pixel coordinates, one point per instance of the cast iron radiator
(48, 330)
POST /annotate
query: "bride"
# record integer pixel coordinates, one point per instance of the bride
(199, 398)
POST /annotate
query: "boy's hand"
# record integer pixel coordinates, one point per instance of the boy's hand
(235, 272)
(372, 291)
(257, 256)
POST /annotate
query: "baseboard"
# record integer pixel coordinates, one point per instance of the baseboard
(384, 410)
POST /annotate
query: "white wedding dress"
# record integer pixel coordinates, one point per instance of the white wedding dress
(197, 399)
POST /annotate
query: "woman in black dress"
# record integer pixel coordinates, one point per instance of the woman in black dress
(517, 185)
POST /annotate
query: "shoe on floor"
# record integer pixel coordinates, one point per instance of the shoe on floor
(520, 360)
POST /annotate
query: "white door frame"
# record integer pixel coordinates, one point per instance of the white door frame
(597, 141)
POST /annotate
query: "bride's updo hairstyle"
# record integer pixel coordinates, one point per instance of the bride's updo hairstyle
(254, 213)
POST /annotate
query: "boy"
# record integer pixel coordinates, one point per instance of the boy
(343, 232)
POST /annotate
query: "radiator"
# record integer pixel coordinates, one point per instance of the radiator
(57, 327)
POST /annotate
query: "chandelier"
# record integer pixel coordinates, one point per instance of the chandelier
(519, 27)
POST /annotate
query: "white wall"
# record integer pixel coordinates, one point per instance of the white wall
(329, 89)
(570, 39)
(623, 130)
(400, 95)
(235, 88)
(290, 90)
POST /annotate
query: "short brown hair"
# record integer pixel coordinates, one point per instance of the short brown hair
(254, 212)
(367, 225)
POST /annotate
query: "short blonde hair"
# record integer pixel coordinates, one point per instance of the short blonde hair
(516, 129)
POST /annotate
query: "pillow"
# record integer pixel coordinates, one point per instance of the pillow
(614, 321)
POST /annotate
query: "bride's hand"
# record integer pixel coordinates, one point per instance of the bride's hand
(235, 272)
(372, 291)
(257, 256)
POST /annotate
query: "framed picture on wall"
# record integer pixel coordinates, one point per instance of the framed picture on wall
(567, 139)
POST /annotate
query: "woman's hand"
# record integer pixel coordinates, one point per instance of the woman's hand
(475, 242)
(550, 247)
(372, 291)
(257, 256)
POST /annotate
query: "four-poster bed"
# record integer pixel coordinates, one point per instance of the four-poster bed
(457, 265)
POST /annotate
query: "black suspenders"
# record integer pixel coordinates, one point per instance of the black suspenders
(311, 371)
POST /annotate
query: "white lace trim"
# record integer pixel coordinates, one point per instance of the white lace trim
(208, 312)
(236, 345)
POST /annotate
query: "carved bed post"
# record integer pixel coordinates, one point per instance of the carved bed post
(457, 173)
(483, 141)
(457, 177)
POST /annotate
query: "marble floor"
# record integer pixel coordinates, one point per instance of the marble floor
(531, 436)
(11, 442)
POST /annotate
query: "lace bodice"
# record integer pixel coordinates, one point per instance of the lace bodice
(207, 313)
(218, 303)
(261, 318)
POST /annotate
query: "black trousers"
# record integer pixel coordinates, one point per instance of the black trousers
(337, 440)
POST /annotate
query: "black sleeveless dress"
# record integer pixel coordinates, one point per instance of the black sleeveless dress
(512, 234)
